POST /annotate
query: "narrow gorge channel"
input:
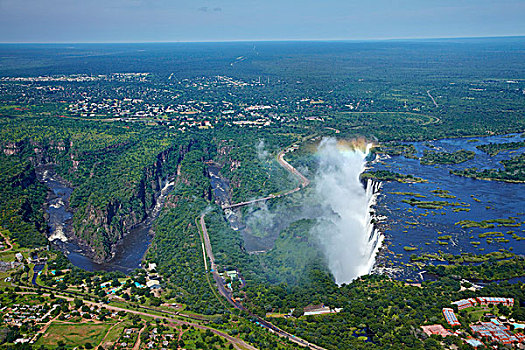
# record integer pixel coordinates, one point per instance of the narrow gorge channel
(129, 251)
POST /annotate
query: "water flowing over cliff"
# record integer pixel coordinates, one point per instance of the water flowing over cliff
(345, 226)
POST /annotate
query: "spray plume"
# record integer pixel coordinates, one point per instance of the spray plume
(344, 228)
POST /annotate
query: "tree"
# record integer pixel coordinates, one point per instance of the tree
(298, 312)
(78, 303)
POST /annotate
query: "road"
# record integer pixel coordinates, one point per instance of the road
(7, 242)
(236, 341)
(226, 294)
(165, 315)
(218, 279)
(432, 98)
(280, 159)
(82, 296)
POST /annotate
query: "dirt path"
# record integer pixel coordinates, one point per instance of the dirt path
(431, 119)
(44, 328)
(109, 330)
(432, 98)
(137, 343)
(7, 241)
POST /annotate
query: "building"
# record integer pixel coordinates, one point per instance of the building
(496, 331)
(474, 342)
(436, 329)
(319, 310)
(450, 317)
(153, 284)
(488, 301)
(232, 274)
(465, 303)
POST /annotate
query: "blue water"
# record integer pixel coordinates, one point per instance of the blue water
(498, 200)
(129, 251)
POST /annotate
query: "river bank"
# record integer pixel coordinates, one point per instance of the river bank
(128, 252)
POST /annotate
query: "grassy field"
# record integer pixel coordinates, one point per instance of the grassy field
(73, 334)
(114, 333)
(476, 313)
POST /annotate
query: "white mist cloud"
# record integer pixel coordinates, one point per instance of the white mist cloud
(262, 154)
(342, 227)
(259, 218)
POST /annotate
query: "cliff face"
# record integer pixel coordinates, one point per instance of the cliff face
(23, 196)
(101, 229)
(101, 218)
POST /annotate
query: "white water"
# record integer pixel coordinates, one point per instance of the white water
(349, 239)
(58, 233)
(166, 188)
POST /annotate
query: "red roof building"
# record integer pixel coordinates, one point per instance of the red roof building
(496, 331)
(436, 329)
(450, 317)
(465, 303)
(487, 301)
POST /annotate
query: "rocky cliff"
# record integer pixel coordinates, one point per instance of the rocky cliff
(101, 217)
(101, 229)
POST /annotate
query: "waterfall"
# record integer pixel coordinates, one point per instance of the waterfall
(345, 228)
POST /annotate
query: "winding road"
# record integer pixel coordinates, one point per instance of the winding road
(280, 159)
(7, 242)
(219, 282)
(432, 98)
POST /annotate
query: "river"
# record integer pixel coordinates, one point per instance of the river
(129, 251)
(405, 226)
(408, 226)
(483, 200)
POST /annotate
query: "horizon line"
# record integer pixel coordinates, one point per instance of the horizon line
(259, 40)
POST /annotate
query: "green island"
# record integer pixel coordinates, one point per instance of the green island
(490, 223)
(412, 194)
(513, 171)
(489, 270)
(443, 194)
(433, 157)
(397, 149)
(430, 204)
(387, 175)
(462, 258)
(493, 149)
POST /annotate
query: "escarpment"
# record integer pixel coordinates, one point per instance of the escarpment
(116, 179)
(101, 227)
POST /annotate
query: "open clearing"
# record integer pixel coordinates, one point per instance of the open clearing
(73, 334)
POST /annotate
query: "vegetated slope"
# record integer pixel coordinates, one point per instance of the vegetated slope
(117, 171)
(21, 200)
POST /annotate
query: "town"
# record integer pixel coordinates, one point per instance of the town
(489, 330)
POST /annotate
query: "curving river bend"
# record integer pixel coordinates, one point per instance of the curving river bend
(129, 251)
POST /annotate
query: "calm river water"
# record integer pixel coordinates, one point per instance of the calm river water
(409, 226)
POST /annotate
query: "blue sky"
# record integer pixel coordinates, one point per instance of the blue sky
(225, 20)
